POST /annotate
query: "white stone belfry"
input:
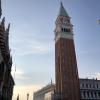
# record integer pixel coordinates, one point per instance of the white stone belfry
(64, 28)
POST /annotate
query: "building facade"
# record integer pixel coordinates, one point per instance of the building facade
(6, 79)
(45, 93)
(89, 89)
(67, 79)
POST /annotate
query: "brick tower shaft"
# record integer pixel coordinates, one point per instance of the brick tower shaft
(67, 80)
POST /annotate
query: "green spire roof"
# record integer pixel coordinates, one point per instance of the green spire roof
(62, 11)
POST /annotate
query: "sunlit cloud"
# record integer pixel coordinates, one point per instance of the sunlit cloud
(20, 75)
(18, 72)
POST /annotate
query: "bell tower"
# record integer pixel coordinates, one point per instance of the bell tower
(67, 79)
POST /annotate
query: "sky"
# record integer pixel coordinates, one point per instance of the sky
(32, 40)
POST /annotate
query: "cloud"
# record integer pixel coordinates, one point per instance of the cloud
(28, 46)
(20, 75)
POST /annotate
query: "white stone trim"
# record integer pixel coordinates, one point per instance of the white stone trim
(63, 35)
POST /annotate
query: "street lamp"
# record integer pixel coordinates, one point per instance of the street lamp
(27, 96)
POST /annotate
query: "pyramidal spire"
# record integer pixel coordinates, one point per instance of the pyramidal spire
(0, 9)
(8, 28)
(62, 11)
(3, 22)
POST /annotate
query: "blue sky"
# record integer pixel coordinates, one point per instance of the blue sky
(32, 39)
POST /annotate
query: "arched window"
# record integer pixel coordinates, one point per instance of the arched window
(88, 94)
(83, 85)
(84, 94)
(86, 85)
(95, 94)
(62, 29)
(68, 21)
(92, 94)
(66, 30)
(97, 85)
(99, 94)
(93, 86)
(90, 85)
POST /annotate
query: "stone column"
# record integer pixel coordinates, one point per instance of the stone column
(90, 95)
(82, 95)
(97, 95)
(86, 94)
(93, 95)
